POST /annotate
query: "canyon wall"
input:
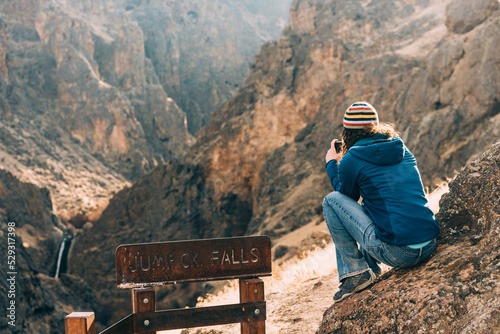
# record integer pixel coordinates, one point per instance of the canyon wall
(31, 233)
(202, 50)
(94, 94)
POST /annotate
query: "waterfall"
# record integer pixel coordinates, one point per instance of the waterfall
(63, 254)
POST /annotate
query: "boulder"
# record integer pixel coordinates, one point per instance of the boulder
(462, 15)
(457, 290)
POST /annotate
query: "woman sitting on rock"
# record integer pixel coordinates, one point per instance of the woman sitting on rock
(394, 224)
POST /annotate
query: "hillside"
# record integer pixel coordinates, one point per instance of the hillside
(95, 94)
(29, 225)
(257, 168)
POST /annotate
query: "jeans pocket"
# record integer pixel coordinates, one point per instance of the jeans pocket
(400, 256)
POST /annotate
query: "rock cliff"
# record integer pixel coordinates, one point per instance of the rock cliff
(90, 91)
(82, 108)
(258, 167)
(457, 290)
(40, 301)
(202, 50)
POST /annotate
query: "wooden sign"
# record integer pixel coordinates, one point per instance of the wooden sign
(193, 260)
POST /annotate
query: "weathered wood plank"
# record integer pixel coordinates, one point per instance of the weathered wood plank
(80, 323)
(193, 260)
(199, 317)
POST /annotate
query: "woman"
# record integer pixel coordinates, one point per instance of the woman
(394, 224)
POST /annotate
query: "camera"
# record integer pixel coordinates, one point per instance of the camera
(338, 146)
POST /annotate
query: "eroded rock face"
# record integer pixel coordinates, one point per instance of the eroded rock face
(41, 301)
(92, 93)
(202, 51)
(462, 16)
(83, 110)
(268, 143)
(457, 290)
(30, 208)
(438, 88)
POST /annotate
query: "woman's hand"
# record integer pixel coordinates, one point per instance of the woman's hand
(332, 153)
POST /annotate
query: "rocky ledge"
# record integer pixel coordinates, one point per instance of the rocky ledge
(457, 290)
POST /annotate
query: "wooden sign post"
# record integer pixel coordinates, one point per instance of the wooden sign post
(142, 266)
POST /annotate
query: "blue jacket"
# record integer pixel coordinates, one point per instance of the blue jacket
(385, 174)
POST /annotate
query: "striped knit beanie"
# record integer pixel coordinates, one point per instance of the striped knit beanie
(359, 115)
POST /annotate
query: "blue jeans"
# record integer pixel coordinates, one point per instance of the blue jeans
(349, 226)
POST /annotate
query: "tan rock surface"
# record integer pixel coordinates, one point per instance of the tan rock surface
(81, 103)
(90, 91)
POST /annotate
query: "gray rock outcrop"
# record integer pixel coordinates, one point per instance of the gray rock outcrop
(462, 16)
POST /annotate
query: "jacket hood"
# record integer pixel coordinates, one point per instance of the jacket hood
(379, 150)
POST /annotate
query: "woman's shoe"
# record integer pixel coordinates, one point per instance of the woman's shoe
(353, 284)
